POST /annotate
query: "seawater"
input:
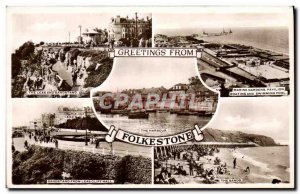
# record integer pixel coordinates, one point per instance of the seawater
(158, 124)
(274, 39)
(273, 161)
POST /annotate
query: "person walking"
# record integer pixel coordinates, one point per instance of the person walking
(191, 167)
(56, 144)
(234, 163)
(26, 144)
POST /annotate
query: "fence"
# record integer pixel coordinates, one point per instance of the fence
(90, 148)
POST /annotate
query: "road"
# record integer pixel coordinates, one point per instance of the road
(118, 148)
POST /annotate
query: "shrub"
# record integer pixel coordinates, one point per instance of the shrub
(136, 170)
(39, 164)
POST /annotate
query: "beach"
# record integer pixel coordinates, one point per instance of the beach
(265, 163)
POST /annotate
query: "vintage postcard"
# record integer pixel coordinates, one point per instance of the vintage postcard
(150, 97)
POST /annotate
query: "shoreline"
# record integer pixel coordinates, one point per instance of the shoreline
(260, 172)
(242, 44)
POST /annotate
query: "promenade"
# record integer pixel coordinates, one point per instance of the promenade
(104, 148)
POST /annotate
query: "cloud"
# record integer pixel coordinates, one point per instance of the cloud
(272, 125)
(237, 120)
(45, 26)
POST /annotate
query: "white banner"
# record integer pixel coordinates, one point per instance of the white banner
(155, 52)
(194, 134)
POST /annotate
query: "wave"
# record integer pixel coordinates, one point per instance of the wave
(252, 161)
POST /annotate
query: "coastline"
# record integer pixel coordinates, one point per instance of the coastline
(261, 172)
(243, 44)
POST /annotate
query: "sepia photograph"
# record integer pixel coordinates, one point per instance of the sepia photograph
(157, 97)
(66, 54)
(150, 97)
(239, 147)
(238, 50)
(65, 142)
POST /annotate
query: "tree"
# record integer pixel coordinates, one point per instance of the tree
(44, 127)
(25, 51)
(15, 65)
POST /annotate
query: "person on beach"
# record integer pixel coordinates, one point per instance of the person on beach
(26, 144)
(234, 163)
(200, 171)
(13, 148)
(247, 169)
(191, 167)
(56, 144)
(97, 143)
(210, 177)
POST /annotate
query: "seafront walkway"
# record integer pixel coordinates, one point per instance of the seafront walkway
(104, 148)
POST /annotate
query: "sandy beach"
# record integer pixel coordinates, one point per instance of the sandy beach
(260, 172)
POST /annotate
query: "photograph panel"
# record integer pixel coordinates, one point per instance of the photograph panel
(238, 49)
(239, 147)
(65, 142)
(67, 54)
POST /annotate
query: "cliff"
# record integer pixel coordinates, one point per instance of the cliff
(215, 135)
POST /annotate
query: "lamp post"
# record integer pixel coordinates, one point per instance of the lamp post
(85, 112)
(79, 35)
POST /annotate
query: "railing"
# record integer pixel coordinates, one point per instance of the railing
(93, 149)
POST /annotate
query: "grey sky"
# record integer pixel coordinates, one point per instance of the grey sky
(54, 27)
(147, 72)
(26, 109)
(265, 116)
(220, 20)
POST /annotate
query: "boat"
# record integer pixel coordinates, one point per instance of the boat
(105, 111)
(161, 110)
(205, 114)
(172, 111)
(120, 111)
(139, 114)
(74, 138)
(185, 112)
(150, 110)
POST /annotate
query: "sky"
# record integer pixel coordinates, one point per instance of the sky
(265, 116)
(55, 27)
(219, 20)
(25, 110)
(147, 72)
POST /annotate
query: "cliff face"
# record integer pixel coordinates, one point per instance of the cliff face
(215, 135)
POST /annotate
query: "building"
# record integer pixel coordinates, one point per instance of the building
(67, 113)
(94, 37)
(48, 119)
(129, 28)
(36, 124)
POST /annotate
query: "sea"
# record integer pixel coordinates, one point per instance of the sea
(266, 162)
(269, 38)
(158, 124)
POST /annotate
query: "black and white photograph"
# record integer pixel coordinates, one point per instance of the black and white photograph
(65, 141)
(154, 97)
(66, 54)
(239, 147)
(238, 50)
(129, 97)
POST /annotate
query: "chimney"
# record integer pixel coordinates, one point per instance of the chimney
(118, 19)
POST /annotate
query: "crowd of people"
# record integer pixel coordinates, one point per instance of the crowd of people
(41, 76)
(45, 76)
(191, 160)
(39, 136)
